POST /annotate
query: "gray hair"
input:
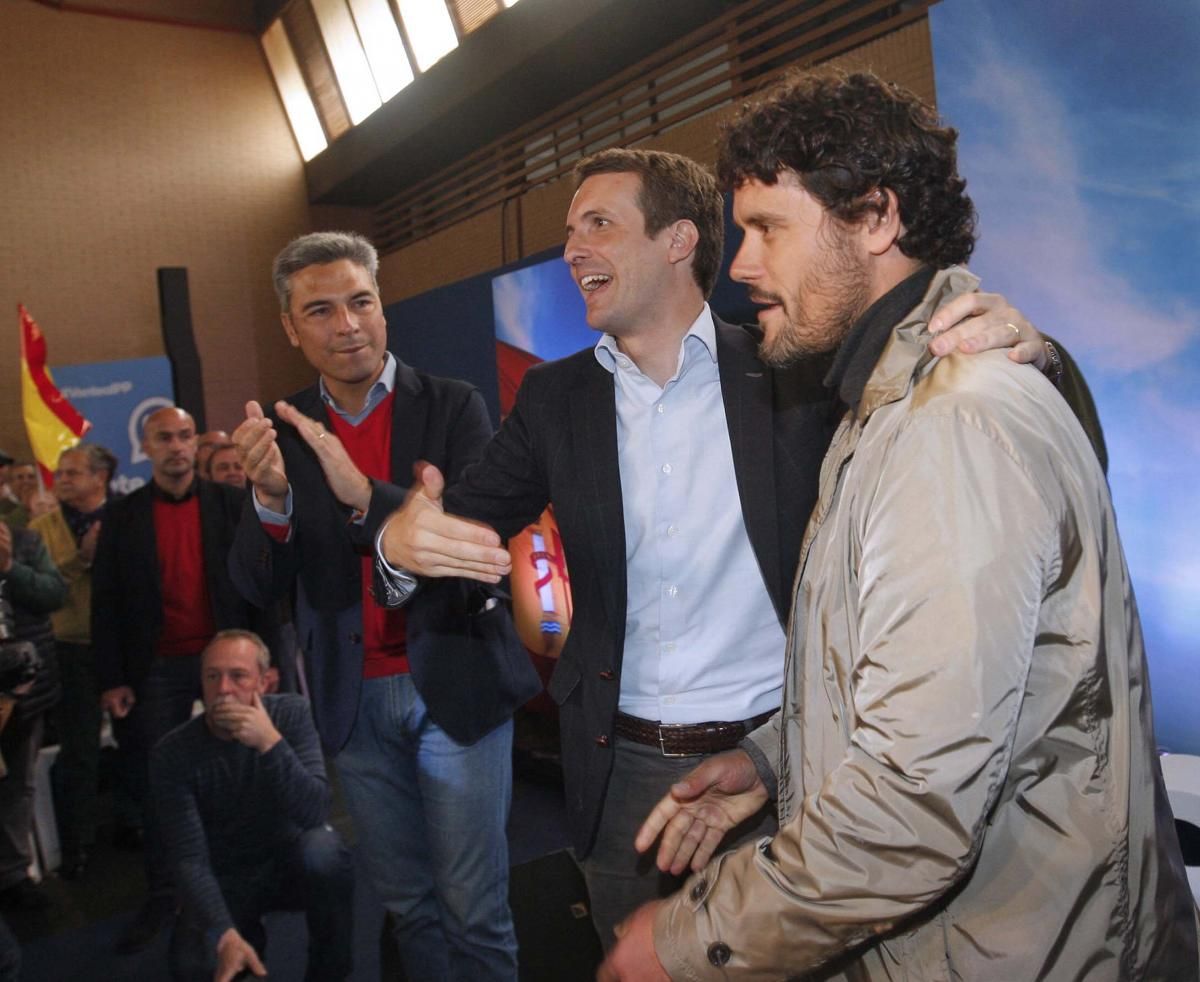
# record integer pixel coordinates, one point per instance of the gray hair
(237, 634)
(98, 458)
(318, 249)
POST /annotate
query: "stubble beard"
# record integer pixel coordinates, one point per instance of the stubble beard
(832, 295)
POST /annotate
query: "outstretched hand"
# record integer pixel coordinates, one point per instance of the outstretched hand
(695, 814)
(421, 538)
(974, 322)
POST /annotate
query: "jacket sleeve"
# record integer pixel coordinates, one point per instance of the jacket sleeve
(507, 487)
(261, 566)
(1074, 389)
(294, 769)
(33, 582)
(950, 554)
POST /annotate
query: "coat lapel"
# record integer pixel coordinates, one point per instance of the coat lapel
(593, 416)
(409, 412)
(746, 391)
(142, 533)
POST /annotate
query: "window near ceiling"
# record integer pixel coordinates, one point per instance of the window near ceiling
(297, 103)
(336, 61)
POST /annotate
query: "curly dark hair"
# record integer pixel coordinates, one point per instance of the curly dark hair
(846, 135)
(673, 187)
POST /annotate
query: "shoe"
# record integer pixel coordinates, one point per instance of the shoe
(24, 895)
(153, 916)
(127, 838)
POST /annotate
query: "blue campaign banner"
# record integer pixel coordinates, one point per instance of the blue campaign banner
(116, 397)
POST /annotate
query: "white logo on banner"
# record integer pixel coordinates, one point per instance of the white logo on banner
(137, 420)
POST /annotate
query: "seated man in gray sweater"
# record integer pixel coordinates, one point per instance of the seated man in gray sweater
(243, 799)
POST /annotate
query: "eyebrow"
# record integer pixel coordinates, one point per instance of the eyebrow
(322, 301)
(592, 213)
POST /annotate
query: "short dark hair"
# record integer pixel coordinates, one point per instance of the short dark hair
(673, 187)
(98, 458)
(844, 136)
(318, 249)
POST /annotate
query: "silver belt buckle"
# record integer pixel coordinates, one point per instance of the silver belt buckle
(662, 745)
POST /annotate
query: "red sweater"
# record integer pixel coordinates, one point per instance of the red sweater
(187, 611)
(385, 641)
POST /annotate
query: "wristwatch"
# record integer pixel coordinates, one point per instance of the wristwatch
(1054, 363)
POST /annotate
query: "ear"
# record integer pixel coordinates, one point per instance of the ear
(290, 330)
(882, 227)
(684, 237)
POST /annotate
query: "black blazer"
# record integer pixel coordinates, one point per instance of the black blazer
(559, 446)
(466, 662)
(126, 593)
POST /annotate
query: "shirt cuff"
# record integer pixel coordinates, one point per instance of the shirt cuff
(269, 517)
(393, 586)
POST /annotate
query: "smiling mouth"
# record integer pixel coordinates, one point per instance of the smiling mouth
(593, 282)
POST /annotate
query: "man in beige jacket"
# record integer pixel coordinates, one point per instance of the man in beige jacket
(964, 764)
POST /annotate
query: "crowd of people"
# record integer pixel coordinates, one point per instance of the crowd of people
(854, 681)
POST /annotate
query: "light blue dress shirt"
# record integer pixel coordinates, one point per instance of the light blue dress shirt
(702, 641)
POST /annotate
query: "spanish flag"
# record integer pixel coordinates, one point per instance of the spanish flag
(53, 424)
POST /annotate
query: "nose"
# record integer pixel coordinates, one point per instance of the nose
(345, 322)
(576, 249)
(744, 268)
(225, 685)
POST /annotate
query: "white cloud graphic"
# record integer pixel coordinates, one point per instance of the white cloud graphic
(1042, 241)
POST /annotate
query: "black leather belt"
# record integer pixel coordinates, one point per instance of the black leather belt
(687, 739)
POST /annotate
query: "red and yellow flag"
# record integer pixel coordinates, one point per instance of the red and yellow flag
(53, 424)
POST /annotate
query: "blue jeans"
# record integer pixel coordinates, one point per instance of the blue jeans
(314, 874)
(430, 817)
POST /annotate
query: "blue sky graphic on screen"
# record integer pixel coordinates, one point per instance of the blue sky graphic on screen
(1080, 140)
(538, 309)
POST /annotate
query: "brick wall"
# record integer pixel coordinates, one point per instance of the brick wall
(130, 146)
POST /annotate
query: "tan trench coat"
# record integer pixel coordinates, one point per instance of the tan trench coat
(968, 784)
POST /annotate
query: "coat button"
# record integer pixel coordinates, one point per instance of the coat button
(698, 891)
(608, 675)
(602, 740)
(355, 637)
(718, 953)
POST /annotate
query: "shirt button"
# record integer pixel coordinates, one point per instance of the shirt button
(666, 468)
(698, 890)
(672, 590)
(669, 646)
(602, 740)
(672, 530)
(661, 408)
(718, 954)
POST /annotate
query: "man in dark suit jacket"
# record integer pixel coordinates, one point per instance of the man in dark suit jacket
(681, 513)
(160, 591)
(415, 705)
